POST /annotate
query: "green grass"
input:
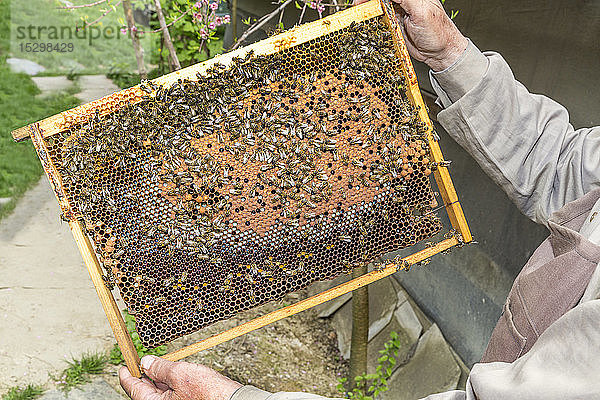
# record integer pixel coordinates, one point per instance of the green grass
(29, 392)
(128, 79)
(86, 58)
(116, 357)
(4, 29)
(78, 372)
(19, 165)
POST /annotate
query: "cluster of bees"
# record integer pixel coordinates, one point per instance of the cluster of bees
(214, 195)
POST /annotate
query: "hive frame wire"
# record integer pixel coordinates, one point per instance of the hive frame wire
(304, 33)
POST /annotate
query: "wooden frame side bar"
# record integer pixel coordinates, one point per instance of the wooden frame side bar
(89, 258)
(293, 37)
(308, 303)
(107, 299)
(442, 176)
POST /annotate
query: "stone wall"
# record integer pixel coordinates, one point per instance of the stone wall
(426, 363)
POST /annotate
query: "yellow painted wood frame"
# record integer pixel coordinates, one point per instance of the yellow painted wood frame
(301, 34)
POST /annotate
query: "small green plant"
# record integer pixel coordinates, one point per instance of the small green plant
(78, 372)
(72, 74)
(28, 392)
(116, 357)
(369, 386)
(248, 21)
(453, 13)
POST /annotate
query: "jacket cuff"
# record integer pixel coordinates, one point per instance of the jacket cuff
(459, 78)
(249, 392)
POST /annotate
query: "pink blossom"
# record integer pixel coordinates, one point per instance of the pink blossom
(214, 6)
(226, 19)
(198, 16)
(198, 4)
(218, 20)
(123, 30)
(212, 25)
(134, 29)
(203, 33)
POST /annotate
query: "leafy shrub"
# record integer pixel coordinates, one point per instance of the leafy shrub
(369, 386)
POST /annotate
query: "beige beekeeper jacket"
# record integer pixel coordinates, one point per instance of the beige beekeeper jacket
(546, 344)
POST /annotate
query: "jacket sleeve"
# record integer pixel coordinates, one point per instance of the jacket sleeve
(249, 392)
(523, 141)
(562, 364)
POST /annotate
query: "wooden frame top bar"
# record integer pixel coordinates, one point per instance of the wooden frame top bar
(290, 38)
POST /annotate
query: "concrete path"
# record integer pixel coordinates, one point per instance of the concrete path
(96, 390)
(49, 310)
(95, 86)
(52, 84)
(25, 66)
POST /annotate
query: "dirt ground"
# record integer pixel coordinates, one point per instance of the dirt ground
(295, 354)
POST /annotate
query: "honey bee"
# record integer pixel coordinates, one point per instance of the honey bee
(168, 281)
(226, 287)
(345, 238)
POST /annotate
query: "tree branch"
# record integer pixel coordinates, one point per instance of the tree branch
(102, 16)
(234, 9)
(337, 7)
(170, 23)
(167, 35)
(302, 14)
(360, 330)
(281, 16)
(82, 5)
(139, 50)
(259, 24)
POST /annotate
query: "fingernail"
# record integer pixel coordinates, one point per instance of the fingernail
(147, 362)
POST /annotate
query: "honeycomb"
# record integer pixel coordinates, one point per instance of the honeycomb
(212, 196)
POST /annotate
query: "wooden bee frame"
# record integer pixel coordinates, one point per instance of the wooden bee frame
(63, 121)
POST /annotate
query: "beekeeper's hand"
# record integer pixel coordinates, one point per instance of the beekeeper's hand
(176, 381)
(430, 35)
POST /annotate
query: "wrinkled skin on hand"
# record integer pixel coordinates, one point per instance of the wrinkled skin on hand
(430, 35)
(167, 380)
